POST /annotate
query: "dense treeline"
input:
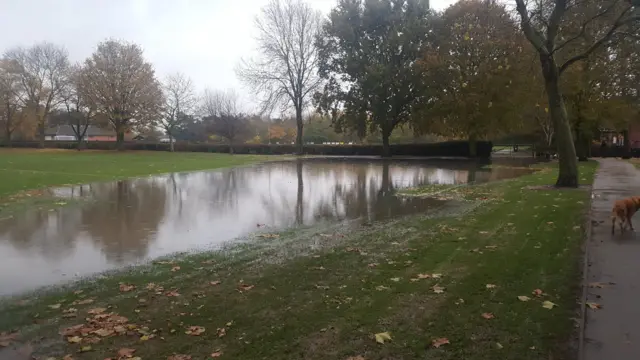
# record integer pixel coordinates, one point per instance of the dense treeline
(374, 71)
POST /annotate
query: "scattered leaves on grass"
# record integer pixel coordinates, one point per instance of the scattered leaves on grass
(548, 305)
(175, 268)
(382, 337)
(488, 316)
(74, 339)
(96, 311)
(54, 306)
(594, 306)
(7, 338)
(491, 286)
(126, 287)
(523, 298)
(537, 292)
(216, 282)
(438, 289)
(194, 330)
(216, 353)
(436, 343)
(104, 332)
(179, 357)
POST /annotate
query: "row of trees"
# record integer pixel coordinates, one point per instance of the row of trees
(479, 69)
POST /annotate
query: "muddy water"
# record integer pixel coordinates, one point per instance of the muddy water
(126, 222)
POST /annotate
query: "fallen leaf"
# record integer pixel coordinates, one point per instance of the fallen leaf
(175, 268)
(195, 330)
(67, 357)
(499, 346)
(172, 293)
(599, 285)
(85, 348)
(82, 302)
(216, 354)
(491, 247)
(7, 338)
(537, 292)
(179, 357)
(381, 288)
(488, 316)
(74, 339)
(523, 298)
(594, 306)
(436, 276)
(382, 337)
(459, 301)
(438, 289)
(359, 357)
(96, 311)
(104, 332)
(222, 332)
(491, 286)
(439, 342)
(396, 279)
(372, 265)
(126, 287)
(55, 306)
(214, 283)
(424, 276)
(548, 305)
(208, 262)
(245, 287)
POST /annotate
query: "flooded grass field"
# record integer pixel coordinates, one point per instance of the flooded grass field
(109, 225)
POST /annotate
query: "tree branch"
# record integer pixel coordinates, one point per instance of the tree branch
(533, 35)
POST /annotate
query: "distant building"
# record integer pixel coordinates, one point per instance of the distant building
(66, 133)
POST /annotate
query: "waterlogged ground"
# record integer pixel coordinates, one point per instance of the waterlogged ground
(493, 279)
(110, 225)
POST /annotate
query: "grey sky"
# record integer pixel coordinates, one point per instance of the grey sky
(204, 39)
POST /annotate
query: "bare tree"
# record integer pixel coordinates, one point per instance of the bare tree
(9, 101)
(576, 29)
(42, 74)
(179, 100)
(222, 115)
(79, 107)
(123, 86)
(286, 72)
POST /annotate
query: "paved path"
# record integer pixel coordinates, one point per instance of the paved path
(613, 332)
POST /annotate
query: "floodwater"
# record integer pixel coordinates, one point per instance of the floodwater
(130, 221)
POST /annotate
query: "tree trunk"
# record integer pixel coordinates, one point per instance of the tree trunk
(41, 131)
(386, 148)
(171, 148)
(231, 146)
(300, 194)
(473, 145)
(299, 144)
(120, 139)
(568, 164)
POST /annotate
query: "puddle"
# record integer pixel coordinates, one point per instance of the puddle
(131, 221)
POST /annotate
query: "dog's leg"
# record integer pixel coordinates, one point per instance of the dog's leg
(629, 222)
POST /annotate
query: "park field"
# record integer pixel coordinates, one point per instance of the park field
(498, 281)
(30, 169)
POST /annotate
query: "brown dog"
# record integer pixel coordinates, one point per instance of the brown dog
(622, 211)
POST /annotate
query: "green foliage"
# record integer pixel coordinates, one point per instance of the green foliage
(368, 52)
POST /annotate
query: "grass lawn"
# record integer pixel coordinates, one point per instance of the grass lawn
(34, 169)
(453, 280)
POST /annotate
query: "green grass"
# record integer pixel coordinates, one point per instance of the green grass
(328, 301)
(22, 170)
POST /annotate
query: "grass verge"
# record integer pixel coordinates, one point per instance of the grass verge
(303, 294)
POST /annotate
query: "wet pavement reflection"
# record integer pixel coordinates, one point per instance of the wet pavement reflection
(129, 221)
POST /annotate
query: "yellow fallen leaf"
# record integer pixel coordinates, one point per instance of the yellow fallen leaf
(85, 348)
(491, 286)
(548, 305)
(55, 306)
(396, 279)
(523, 298)
(382, 337)
(594, 306)
(499, 346)
(74, 339)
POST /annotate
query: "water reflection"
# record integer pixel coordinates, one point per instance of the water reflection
(128, 221)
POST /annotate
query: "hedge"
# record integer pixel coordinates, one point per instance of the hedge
(613, 151)
(442, 149)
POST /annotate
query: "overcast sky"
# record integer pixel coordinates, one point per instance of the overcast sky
(204, 39)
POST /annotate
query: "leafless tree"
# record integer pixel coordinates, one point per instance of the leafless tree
(222, 115)
(123, 86)
(42, 74)
(10, 114)
(179, 100)
(564, 32)
(79, 107)
(285, 74)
